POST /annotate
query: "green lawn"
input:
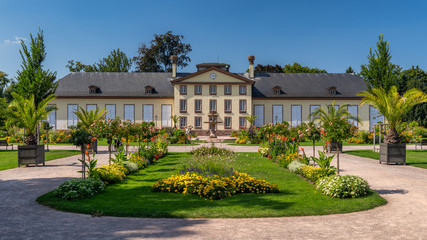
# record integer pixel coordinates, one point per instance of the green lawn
(9, 158)
(416, 158)
(133, 197)
(236, 144)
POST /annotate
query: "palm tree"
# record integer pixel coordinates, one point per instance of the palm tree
(329, 117)
(175, 119)
(87, 118)
(393, 106)
(251, 120)
(24, 113)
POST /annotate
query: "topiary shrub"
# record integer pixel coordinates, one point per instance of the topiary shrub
(295, 165)
(77, 188)
(343, 186)
(112, 173)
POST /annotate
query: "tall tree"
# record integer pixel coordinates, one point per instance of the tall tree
(297, 68)
(4, 81)
(380, 72)
(349, 70)
(156, 57)
(116, 61)
(415, 77)
(33, 80)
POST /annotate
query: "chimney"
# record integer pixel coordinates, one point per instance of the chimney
(174, 58)
(251, 66)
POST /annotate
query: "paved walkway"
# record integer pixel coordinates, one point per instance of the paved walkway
(404, 217)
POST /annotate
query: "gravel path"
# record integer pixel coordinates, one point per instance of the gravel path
(404, 217)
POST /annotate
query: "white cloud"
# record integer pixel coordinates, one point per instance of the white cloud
(16, 41)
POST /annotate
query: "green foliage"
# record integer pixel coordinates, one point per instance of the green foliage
(24, 112)
(297, 68)
(140, 161)
(156, 57)
(112, 173)
(349, 70)
(130, 166)
(380, 72)
(315, 173)
(268, 69)
(393, 106)
(204, 151)
(77, 188)
(343, 186)
(81, 137)
(116, 61)
(32, 79)
(90, 167)
(415, 78)
(295, 165)
(87, 118)
(324, 161)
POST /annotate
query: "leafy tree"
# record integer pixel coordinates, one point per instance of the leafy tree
(116, 61)
(297, 68)
(268, 68)
(415, 77)
(175, 119)
(24, 112)
(349, 70)
(380, 72)
(4, 81)
(156, 57)
(393, 106)
(335, 124)
(32, 79)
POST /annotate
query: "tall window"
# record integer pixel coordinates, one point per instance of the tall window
(147, 112)
(353, 110)
(313, 108)
(212, 90)
(227, 89)
(336, 107)
(227, 106)
(166, 115)
(72, 117)
(183, 105)
(212, 105)
(129, 112)
(52, 119)
(197, 89)
(296, 113)
(198, 122)
(111, 111)
(182, 122)
(183, 89)
(227, 122)
(374, 117)
(242, 106)
(259, 113)
(277, 114)
(90, 107)
(242, 122)
(198, 106)
(242, 90)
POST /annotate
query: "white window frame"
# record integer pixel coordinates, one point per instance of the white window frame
(109, 112)
(126, 107)
(146, 117)
(74, 119)
(296, 118)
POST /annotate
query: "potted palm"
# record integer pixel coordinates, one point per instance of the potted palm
(88, 118)
(393, 107)
(23, 112)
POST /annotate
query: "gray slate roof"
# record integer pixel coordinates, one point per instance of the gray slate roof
(114, 84)
(133, 84)
(307, 84)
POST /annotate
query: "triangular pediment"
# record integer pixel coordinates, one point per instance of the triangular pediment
(211, 76)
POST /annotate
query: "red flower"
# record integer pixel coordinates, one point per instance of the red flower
(87, 153)
(152, 139)
(88, 146)
(293, 139)
(302, 149)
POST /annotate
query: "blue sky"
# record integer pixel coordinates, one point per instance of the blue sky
(330, 35)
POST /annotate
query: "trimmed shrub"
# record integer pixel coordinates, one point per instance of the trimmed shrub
(315, 173)
(343, 186)
(78, 188)
(203, 151)
(130, 166)
(112, 173)
(295, 165)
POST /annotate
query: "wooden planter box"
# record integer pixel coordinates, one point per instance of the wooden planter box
(31, 154)
(333, 146)
(393, 153)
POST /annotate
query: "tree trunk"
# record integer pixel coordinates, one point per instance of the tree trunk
(84, 159)
(109, 151)
(31, 139)
(314, 148)
(338, 162)
(392, 136)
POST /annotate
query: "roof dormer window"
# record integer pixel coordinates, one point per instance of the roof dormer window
(277, 90)
(149, 89)
(332, 90)
(94, 89)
